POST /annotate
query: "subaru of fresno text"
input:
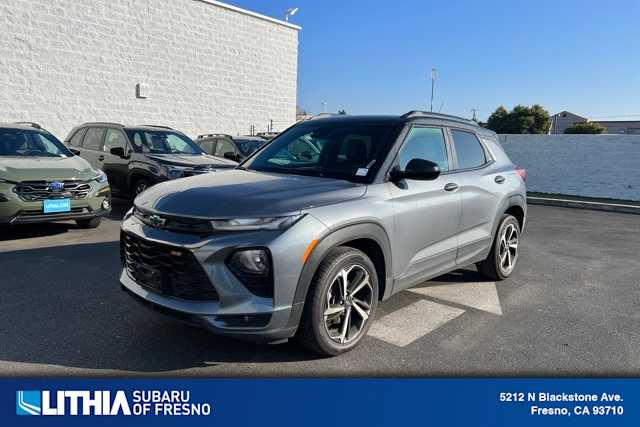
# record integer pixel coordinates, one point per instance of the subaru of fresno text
(42, 181)
(137, 157)
(305, 244)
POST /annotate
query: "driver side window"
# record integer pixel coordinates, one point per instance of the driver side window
(224, 147)
(425, 143)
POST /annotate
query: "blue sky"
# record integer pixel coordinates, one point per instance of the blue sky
(376, 56)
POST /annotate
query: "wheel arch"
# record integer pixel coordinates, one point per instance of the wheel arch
(369, 237)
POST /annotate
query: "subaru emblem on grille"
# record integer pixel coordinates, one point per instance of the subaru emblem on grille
(157, 221)
(56, 186)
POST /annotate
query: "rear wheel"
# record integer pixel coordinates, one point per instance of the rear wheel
(89, 223)
(504, 254)
(341, 304)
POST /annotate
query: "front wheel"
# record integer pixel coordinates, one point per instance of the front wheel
(504, 254)
(139, 186)
(341, 304)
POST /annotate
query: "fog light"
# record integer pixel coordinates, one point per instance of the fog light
(106, 204)
(253, 262)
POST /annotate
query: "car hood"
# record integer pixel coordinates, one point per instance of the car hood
(45, 169)
(188, 160)
(240, 193)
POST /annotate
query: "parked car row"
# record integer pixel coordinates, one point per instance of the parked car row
(304, 238)
(52, 181)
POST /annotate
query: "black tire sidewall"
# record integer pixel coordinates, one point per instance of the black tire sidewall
(507, 219)
(321, 285)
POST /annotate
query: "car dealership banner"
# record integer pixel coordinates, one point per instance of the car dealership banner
(321, 402)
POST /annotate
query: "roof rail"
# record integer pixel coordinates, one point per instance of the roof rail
(211, 135)
(158, 126)
(32, 124)
(103, 123)
(430, 115)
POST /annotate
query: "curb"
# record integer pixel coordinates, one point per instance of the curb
(628, 208)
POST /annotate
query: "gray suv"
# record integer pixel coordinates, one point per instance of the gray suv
(306, 236)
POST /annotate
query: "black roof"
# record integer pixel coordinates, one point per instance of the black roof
(410, 117)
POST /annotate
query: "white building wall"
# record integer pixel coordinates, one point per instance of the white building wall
(606, 166)
(209, 67)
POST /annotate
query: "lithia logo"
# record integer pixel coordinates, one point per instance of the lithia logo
(107, 402)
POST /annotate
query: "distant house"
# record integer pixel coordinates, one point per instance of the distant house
(564, 119)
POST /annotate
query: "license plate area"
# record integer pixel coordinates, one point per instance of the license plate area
(56, 205)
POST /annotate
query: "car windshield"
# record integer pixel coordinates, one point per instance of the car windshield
(28, 143)
(248, 146)
(162, 142)
(351, 151)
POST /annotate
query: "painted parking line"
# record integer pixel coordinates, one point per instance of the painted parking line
(479, 295)
(404, 326)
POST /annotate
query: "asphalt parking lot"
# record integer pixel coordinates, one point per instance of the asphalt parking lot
(571, 308)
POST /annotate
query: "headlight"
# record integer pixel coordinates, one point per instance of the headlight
(247, 224)
(174, 172)
(101, 177)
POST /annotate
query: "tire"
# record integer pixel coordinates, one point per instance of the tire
(139, 185)
(89, 223)
(320, 332)
(495, 265)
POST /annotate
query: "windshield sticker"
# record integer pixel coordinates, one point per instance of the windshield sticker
(362, 171)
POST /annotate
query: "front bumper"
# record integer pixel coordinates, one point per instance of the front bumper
(236, 311)
(14, 210)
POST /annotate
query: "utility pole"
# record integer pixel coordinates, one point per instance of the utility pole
(474, 110)
(271, 125)
(434, 74)
(324, 107)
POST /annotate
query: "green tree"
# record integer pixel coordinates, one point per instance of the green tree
(520, 119)
(591, 128)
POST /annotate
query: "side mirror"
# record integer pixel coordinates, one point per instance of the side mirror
(419, 169)
(117, 151)
(231, 156)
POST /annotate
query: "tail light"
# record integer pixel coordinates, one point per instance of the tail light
(522, 172)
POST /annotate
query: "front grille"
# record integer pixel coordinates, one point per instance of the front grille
(175, 224)
(166, 270)
(32, 191)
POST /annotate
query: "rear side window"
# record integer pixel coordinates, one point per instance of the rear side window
(76, 139)
(469, 152)
(93, 139)
(426, 144)
(114, 139)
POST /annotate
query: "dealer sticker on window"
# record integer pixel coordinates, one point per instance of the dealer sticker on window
(362, 171)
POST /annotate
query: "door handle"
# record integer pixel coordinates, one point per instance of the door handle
(499, 179)
(451, 187)
(101, 158)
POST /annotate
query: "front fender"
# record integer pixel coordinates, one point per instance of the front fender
(332, 239)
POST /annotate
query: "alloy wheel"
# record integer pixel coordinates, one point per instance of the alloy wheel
(508, 250)
(141, 187)
(348, 304)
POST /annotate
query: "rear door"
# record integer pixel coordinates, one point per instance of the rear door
(481, 190)
(427, 213)
(116, 167)
(92, 146)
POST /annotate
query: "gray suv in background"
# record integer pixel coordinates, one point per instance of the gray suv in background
(305, 237)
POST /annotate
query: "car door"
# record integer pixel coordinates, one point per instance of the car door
(481, 189)
(92, 146)
(427, 213)
(115, 166)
